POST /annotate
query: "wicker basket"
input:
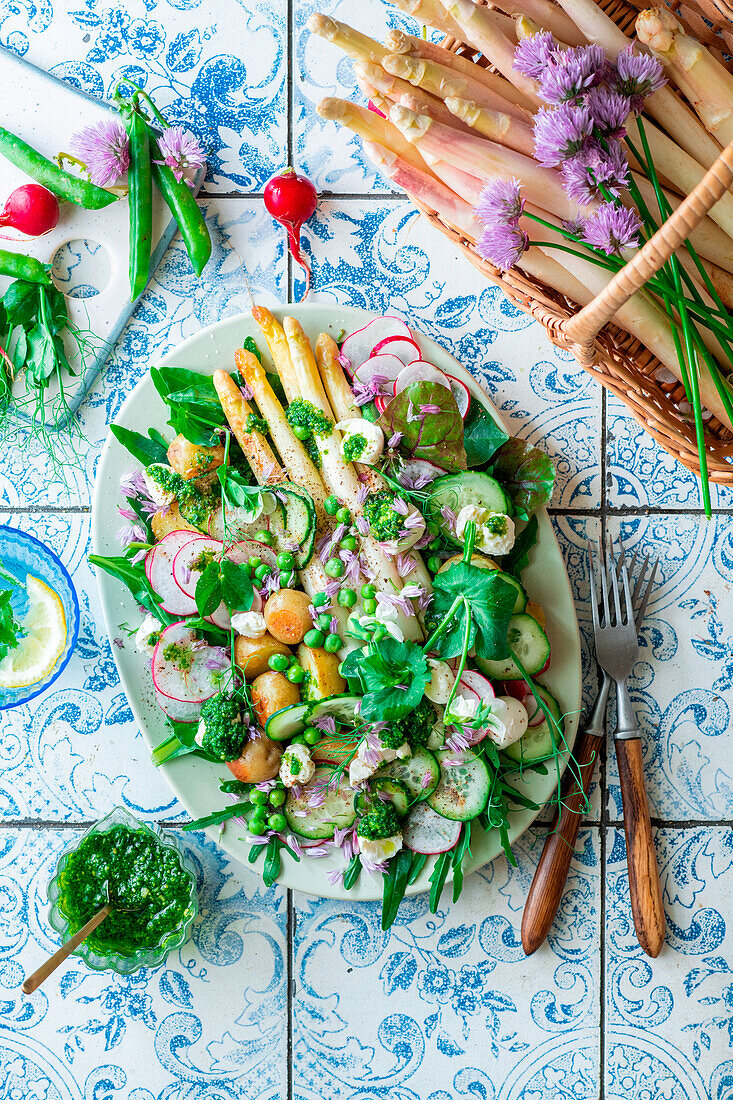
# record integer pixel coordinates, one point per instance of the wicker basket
(617, 360)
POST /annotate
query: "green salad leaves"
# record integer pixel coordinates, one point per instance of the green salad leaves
(392, 676)
(427, 417)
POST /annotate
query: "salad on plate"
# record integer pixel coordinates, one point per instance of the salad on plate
(328, 556)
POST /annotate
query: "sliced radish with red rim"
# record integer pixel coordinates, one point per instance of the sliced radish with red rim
(420, 371)
(177, 709)
(419, 472)
(361, 345)
(404, 347)
(381, 402)
(381, 370)
(191, 560)
(462, 395)
(185, 668)
(427, 833)
(159, 571)
(241, 552)
(473, 687)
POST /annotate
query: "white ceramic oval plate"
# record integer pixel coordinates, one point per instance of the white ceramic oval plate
(196, 782)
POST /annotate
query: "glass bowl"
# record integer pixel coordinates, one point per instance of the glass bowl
(149, 957)
(21, 554)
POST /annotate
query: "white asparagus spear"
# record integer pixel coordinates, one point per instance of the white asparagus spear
(352, 42)
(369, 125)
(670, 112)
(483, 31)
(399, 42)
(391, 88)
(430, 12)
(705, 82)
(547, 16)
(441, 81)
(493, 124)
(277, 342)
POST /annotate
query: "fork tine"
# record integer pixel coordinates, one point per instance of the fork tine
(593, 587)
(639, 580)
(604, 583)
(645, 598)
(614, 584)
(628, 605)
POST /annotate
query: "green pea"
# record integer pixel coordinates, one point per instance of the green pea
(276, 822)
(264, 536)
(261, 572)
(324, 620)
(346, 597)
(321, 599)
(334, 567)
(301, 432)
(299, 739)
(257, 826)
(434, 563)
(254, 563)
(370, 607)
(332, 643)
(258, 798)
(331, 505)
(285, 560)
(314, 639)
(296, 674)
(343, 515)
(368, 591)
(277, 797)
(349, 543)
(279, 662)
(311, 735)
(288, 580)
(435, 544)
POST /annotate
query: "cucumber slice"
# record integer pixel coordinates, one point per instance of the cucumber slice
(239, 528)
(428, 833)
(340, 707)
(320, 822)
(521, 601)
(287, 722)
(539, 742)
(299, 523)
(420, 772)
(527, 638)
(394, 791)
(464, 786)
(455, 491)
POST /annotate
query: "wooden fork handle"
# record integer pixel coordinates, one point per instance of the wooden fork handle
(548, 883)
(644, 887)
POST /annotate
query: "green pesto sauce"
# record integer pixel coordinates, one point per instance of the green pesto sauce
(178, 655)
(204, 559)
(354, 447)
(294, 763)
(496, 525)
(304, 414)
(143, 875)
(256, 423)
(384, 522)
(194, 502)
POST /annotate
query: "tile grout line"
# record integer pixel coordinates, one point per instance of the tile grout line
(603, 815)
(31, 824)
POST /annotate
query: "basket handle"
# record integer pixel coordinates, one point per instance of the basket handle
(585, 325)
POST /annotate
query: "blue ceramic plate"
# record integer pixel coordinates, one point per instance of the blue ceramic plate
(21, 554)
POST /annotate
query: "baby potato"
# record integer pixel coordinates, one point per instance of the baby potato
(170, 520)
(190, 460)
(334, 750)
(479, 560)
(259, 761)
(324, 672)
(253, 654)
(537, 613)
(287, 615)
(271, 692)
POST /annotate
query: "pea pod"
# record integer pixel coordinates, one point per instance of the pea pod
(44, 171)
(140, 186)
(182, 204)
(17, 266)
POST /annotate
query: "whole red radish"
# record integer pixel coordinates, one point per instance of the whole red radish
(291, 199)
(31, 209)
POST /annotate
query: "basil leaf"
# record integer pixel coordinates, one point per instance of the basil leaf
(10, 630)
(482, 436)
(526, 473)
(208, 590)
(144, 448)
(133, 576)
(239, 493)
(249, 345)
(435, 436)
(236, 586)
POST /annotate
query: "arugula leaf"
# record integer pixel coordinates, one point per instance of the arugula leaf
(518, 557)
(145, 449)
(482, 436)
(250, 345)
(133, 576)
(216, 817)
(10, 629)
(526, 473)
(437, 879)
(435, 436)
(395, 883)
(491, 603)
(236, 586)
(352, 872)
(392, 676)
(196, 411)
(273, 861)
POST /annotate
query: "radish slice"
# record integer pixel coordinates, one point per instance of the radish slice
(238, 527)
(189, 677)
(360, 345)
(418, 472)
(462, 395)
(474, 687)
(381, 402)
(382, 369)
(420, 371)
(159, 571)
(184, 573)
(178, 710)
(427, 833)
(242, 551)
(404, 347)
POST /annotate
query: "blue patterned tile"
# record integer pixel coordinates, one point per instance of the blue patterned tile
(447, 1005)
(670, 1019)
(195, 1028)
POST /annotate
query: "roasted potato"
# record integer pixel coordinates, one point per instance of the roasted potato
(271, 692)
(170, 520)
(479, 560)
(537, 613)
(325, 678)
(190, 460)
(334, 750)
(259, 761)
(288, 616)
(253, 654)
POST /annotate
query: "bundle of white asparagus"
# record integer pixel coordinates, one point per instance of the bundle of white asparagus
(449, 126)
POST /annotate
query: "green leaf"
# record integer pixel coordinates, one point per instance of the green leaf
(418, 862)
(145, 449)
(208, 590)
(236, 586)
(22, 302)
(435, 436)
(239, 493)
(196, 411)
(41, 354)
(352, 872)
(482, 436)
(273, 861)
(491, 602)
(216, 817)
(249, 345)
(518, 557)
(437, 879)
(526, 473)
(133, 576)
(395, 883)
(10, 630)
(392, 675)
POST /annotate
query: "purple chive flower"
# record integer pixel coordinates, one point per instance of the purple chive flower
(361, 494)
(503, 245)
(362, 525)
(246, 392)
(612, 228)
(344, 361)
(130, 533)
(574, 71)
(412, 415)
(132, 484)
(394, 440)
(336, 877)
(405, 564)
(364, 392)
(534, 54)
(105, 150)
(391, 600)
(181, 150)
(609, 112)
(584, 174)
(327, 724)
(373, 868)
(560, 133)
(400, 506)
(429, 408)
(637, 76)
(500, 202)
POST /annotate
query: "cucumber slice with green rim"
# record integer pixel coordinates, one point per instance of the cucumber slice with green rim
(428, 833)
(341, 707)
(299, 523)
(384, 789)
(464, 786)
(529, 641)
(521, 601)
(455, 491)
(287, 722)
(238, 527)
(420, 772)
(539, 742)
(320, 822)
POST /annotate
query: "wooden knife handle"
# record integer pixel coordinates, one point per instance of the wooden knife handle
(644, 887)
(548, 883)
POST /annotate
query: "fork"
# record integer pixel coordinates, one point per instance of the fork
(548, 883)
(617, 651)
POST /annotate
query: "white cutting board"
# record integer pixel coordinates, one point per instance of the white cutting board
(46, 112)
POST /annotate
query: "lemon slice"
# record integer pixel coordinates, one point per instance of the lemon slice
(42, 643)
